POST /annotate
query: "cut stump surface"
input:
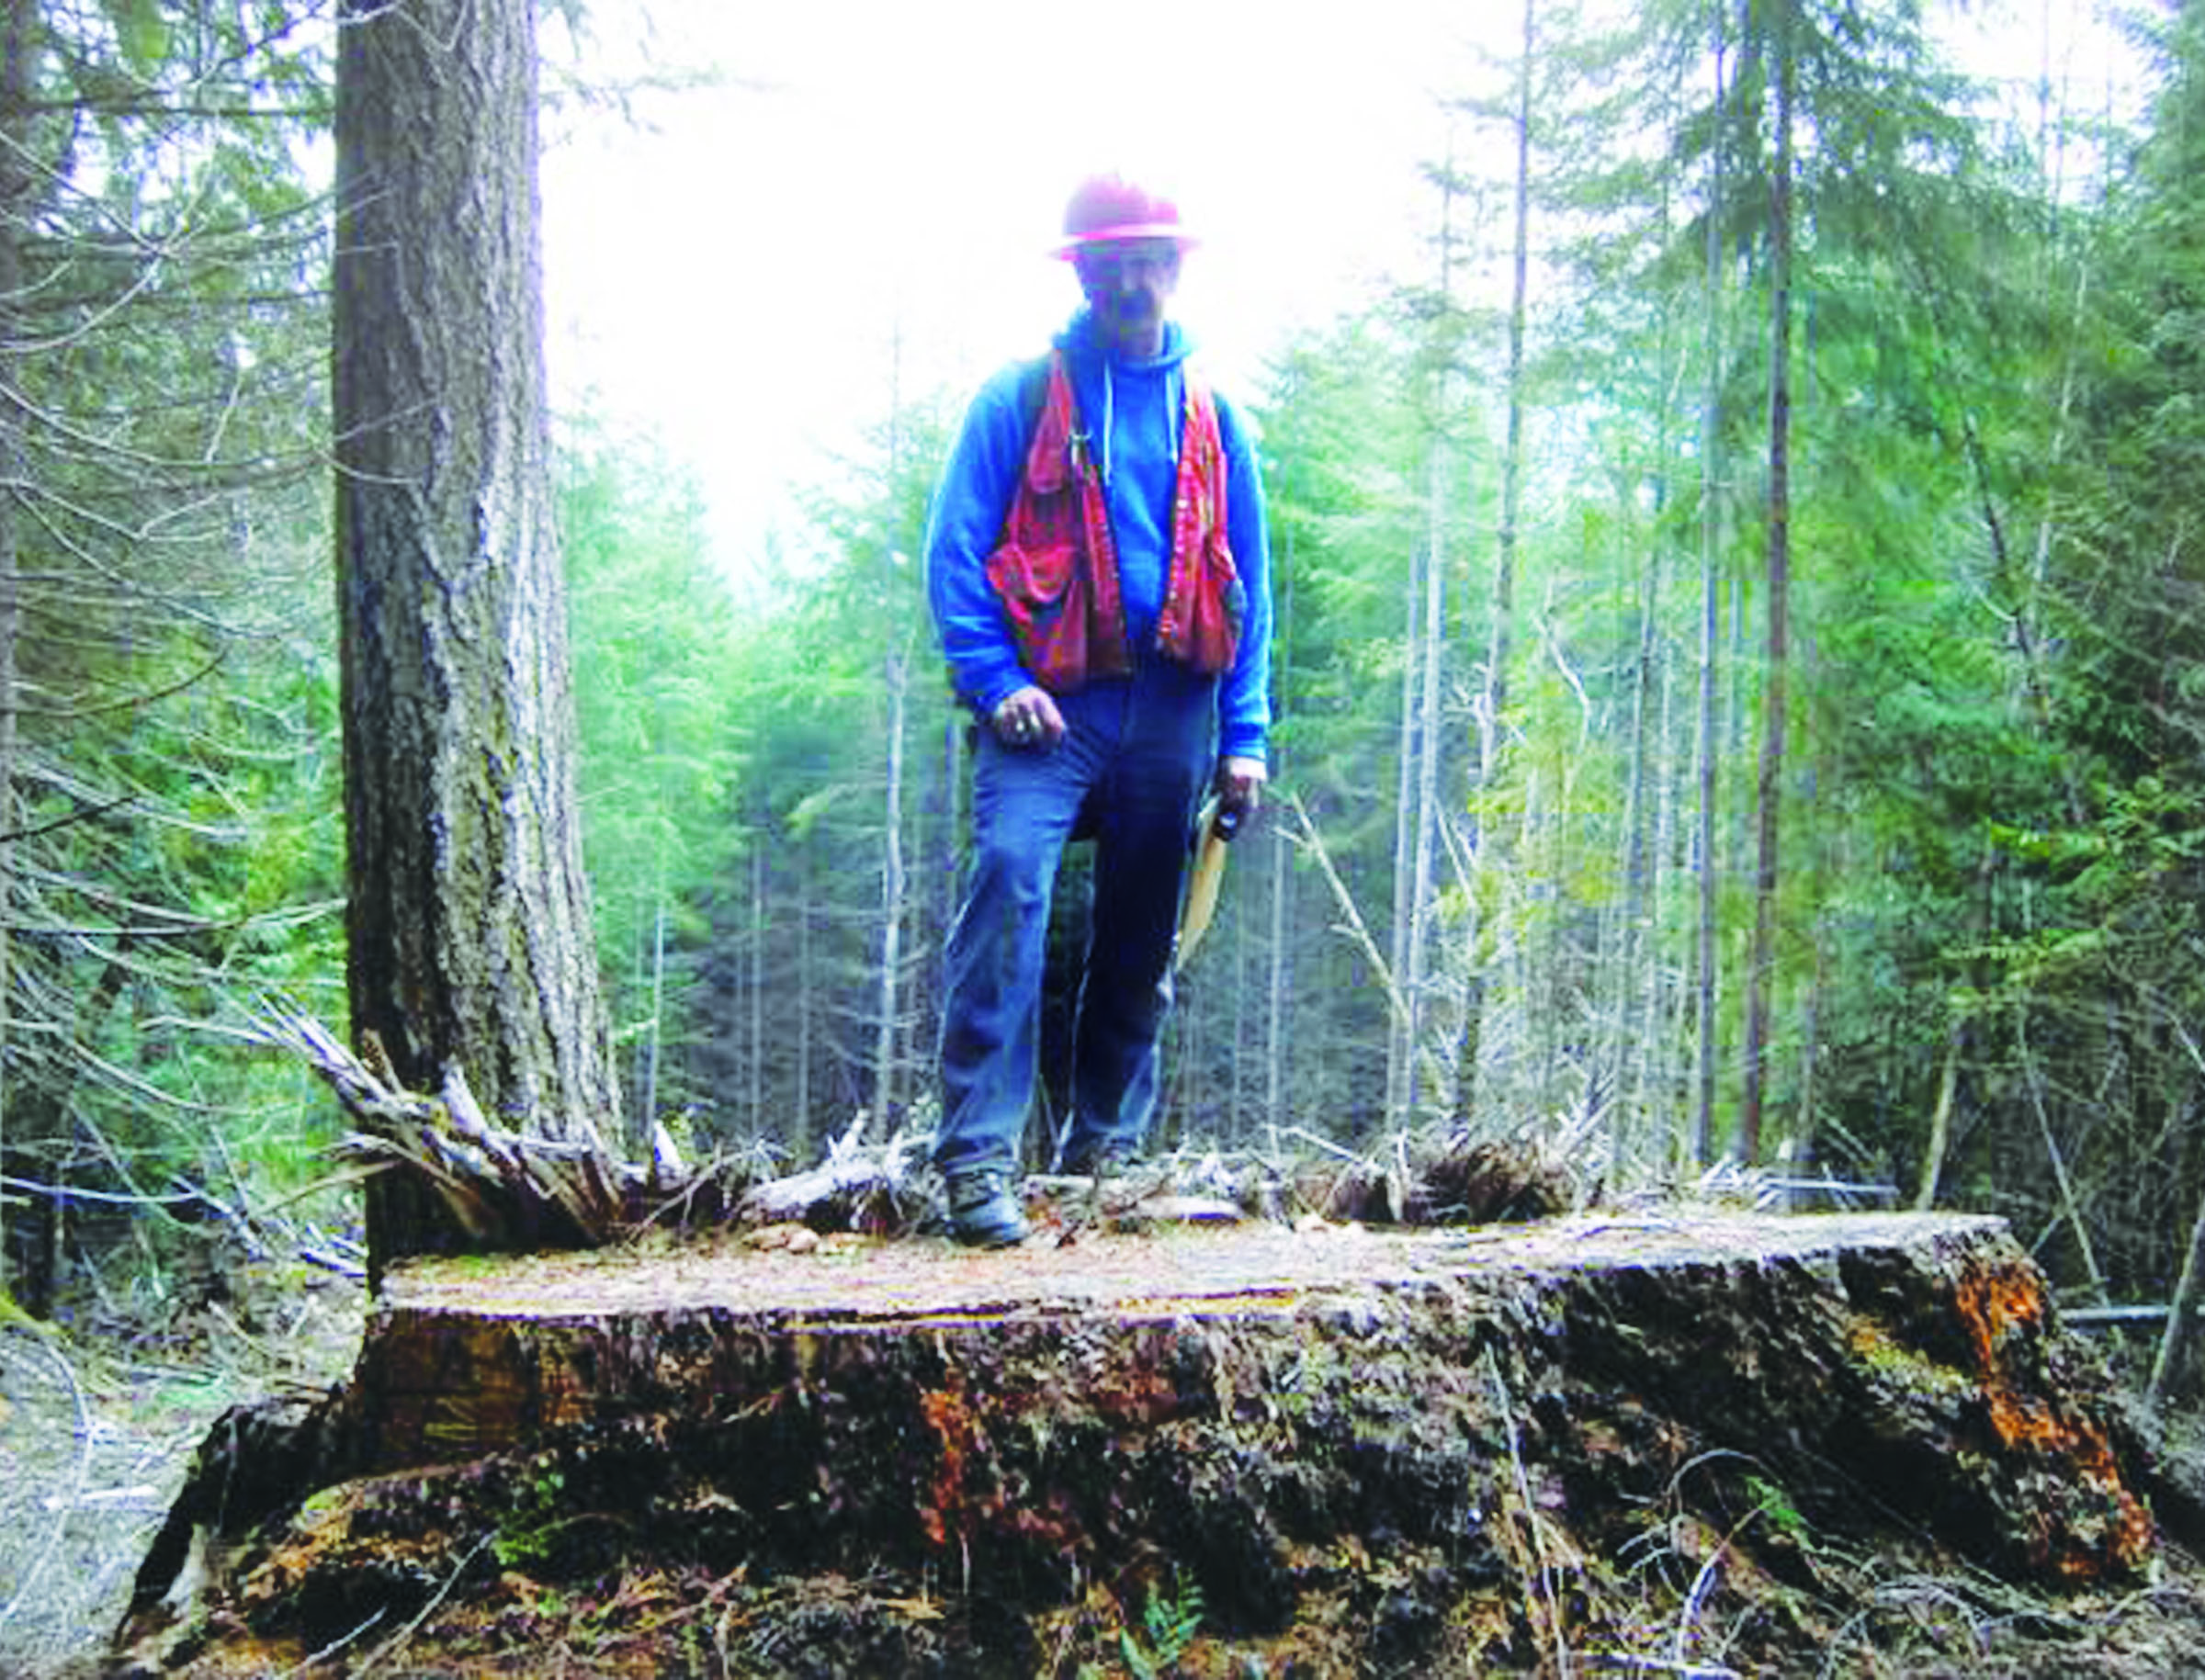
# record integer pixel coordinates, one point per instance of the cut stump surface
(1358, 1451)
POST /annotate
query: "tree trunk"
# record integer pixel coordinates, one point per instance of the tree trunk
(1940, 1119)
(655, 1042)
(2170, 1366)
(1416, 983)
(48, 1128)
(1400, 1040)
(1482, 840)
(1416, 798)
(891, 903)
(1637, 956)
(19, 25)
(1666, 1024)
(1711, 526)
(1762, 976)
(754, 998)
(1245, 955)
(1500, 649)
(469, 915)
(1277, 848)
(799, 1126)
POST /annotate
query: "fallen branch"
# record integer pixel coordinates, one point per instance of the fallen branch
(855, 1189)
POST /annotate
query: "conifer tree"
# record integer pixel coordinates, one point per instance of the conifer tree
(159, 268)
(471, 948)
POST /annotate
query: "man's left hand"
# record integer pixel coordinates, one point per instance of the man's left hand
(1240, 787)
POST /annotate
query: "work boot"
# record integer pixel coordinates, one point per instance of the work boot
(1105, 1165)
(1098, 1160)
(983, 1211)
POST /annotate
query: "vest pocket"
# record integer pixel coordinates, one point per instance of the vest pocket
(1217, 607)
(1044, 594)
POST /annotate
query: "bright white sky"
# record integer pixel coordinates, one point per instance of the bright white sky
(876, 201)
(740, 281)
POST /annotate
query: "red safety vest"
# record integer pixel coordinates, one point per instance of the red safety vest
(1055, 569)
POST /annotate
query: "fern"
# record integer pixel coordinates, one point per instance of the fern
(1168, 1629)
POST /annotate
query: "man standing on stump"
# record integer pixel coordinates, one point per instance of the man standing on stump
(1098, 569)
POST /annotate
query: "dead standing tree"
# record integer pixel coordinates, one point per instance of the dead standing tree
(469, 916)
(17, 19)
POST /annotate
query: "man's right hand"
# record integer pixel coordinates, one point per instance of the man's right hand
(1028, 719)
(1239, 785)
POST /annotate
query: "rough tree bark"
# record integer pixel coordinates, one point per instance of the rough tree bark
(468, 913)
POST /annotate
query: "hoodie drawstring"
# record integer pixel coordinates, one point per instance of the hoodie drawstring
(1174, 401)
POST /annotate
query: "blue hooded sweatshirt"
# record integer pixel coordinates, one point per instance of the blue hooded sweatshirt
(1132, 412)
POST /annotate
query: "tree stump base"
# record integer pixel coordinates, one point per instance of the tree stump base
(1329, 1451)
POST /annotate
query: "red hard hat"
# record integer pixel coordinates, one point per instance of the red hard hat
(1108, 207)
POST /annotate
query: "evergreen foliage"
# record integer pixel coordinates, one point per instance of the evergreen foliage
(1982, 982)
(164, 647)
(657, 673)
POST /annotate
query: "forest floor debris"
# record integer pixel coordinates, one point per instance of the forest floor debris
(99, 1426)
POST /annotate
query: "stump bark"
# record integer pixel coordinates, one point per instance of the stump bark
(1239, 1450)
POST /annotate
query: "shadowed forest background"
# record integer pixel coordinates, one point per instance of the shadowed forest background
(1741, 666)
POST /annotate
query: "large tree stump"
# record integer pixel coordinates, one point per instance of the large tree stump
(1356, 1453)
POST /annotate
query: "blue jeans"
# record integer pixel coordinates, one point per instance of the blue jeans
(1138, 753)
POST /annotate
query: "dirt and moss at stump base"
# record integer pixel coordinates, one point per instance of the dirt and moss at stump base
(1708, 1439)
